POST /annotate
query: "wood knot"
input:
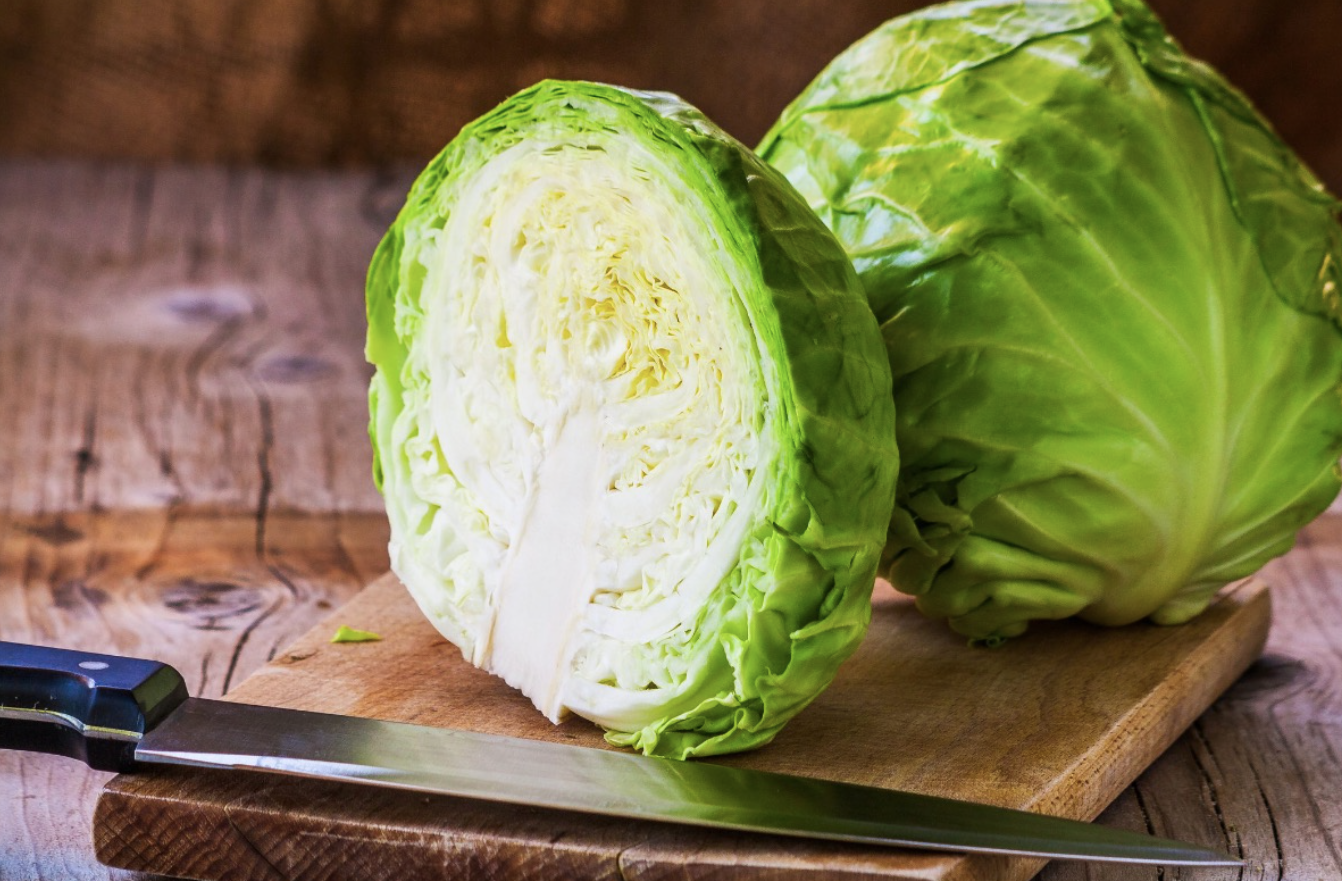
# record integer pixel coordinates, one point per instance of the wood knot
(204, 306)
(296, 368)
(85, 461)
(212, 605)
(77, 595)
(295, 657)
(56, 533)
(1271, 673)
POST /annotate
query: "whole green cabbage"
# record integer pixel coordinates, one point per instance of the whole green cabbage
(632, 419)
(1109, 296)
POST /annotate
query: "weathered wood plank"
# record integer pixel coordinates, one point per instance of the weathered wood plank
(182, 348)
(185, 337)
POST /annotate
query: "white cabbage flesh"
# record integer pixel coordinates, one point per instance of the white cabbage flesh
(588, 451)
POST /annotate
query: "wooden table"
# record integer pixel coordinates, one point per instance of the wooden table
(184, 473)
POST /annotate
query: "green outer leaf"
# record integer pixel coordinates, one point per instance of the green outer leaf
(1108, 292)
(349, 634)
(1276, 198)
(798, 603)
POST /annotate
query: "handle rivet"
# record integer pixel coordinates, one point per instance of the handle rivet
(93, 665)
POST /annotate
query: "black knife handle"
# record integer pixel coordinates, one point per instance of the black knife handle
(78, 704)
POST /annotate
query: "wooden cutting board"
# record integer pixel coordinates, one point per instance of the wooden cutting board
(1059, 721)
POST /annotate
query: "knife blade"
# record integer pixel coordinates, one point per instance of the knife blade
(123, 714)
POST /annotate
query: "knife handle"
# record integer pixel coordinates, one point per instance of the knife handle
(89, 707)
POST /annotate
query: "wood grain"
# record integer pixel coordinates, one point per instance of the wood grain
(182, 386)
(1060, 723)
(192, 588)
(1260, 768)
(188, 337)
(316, 82)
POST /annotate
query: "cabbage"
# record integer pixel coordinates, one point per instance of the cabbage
(1109, 296)
(632, 419)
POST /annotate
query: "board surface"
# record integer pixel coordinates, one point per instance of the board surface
(1059, 721)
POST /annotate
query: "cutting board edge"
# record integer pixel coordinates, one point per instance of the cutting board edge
(1253, 621)
(1242, 638)
(240, 857)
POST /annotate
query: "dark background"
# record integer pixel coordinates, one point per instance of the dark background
(356, 82)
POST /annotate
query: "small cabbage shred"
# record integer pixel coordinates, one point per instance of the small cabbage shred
(632, 419)
(1109, 294)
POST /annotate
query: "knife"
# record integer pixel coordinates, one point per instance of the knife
(122, 714)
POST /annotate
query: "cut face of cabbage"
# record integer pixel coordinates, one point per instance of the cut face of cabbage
(595, 448)
(591, 384)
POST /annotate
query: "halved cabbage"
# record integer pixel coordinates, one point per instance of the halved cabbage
(632, 419)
